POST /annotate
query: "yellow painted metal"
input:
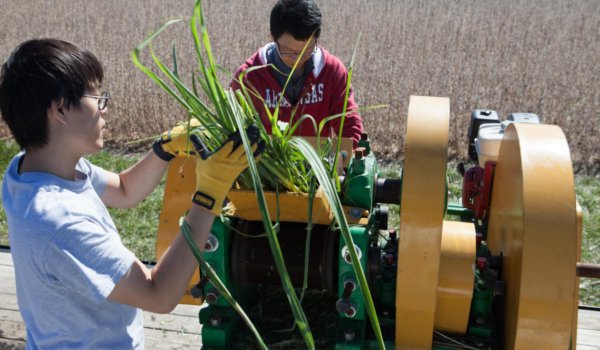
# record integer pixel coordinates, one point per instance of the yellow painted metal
(421, 213)
(177, 199)
(456, 277)
(533, 223)
(180, 185)
(293, 207)
(574, 319)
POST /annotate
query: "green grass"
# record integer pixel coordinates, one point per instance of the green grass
(7, 152)
(588, 196)
(138, 226)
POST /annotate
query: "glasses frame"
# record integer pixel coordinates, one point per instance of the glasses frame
(295, 55)
(102, 99)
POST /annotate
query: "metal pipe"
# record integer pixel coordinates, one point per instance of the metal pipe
(588, 270)
(388, 191)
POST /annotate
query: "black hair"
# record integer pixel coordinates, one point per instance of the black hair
(38, 72)
(300, 18)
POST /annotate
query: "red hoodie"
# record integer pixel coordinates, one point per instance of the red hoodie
(324, 91)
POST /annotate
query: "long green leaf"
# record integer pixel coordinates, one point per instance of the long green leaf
(299, 316)
(348, 85)
(338, 211)
(216, 281)
(192, 100)
(215, 91)
(150, 73)
(309, 227)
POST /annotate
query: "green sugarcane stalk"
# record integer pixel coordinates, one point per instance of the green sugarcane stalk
(338, 211)
(299, 316)
(216, 281)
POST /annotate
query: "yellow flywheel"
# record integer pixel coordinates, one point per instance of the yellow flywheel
(534, 225)
(421, 220)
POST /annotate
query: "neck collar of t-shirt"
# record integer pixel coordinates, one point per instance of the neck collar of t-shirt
(78, 184)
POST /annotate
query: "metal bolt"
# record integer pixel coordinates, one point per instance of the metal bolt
(212, 243)
(351, 311)
(355, 213)
(215, 321)
(196, 292)
(342, 306)
(212, 296)
(350, 284)
(480, 320)
(349, 335)
(389, 259)
(346, 253)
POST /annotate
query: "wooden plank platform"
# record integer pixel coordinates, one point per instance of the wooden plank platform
(180, 329)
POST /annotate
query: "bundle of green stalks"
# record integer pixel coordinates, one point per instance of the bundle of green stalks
(281, 166)
(288, 163)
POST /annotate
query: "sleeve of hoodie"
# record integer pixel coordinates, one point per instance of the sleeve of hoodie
(353, 126)
(235, 84)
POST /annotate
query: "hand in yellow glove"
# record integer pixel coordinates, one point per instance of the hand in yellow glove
(175, 142)
(216, 171)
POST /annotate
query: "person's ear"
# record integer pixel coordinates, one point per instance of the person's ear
(56, 111)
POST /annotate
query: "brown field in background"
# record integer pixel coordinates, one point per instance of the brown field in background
(511, 56)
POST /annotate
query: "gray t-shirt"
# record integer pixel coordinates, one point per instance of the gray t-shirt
(68, 256)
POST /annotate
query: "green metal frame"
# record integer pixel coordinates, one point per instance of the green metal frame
(219, 320)
(360, 182)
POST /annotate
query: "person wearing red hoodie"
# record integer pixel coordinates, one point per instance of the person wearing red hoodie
(318, 83)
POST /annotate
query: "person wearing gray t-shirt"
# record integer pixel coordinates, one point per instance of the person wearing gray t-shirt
(78, 286)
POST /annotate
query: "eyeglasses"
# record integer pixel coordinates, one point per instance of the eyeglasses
(102, 99)
(294, 55)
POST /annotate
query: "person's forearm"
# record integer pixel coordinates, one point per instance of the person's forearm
(176, 267)
(160, 289)
(137, 182)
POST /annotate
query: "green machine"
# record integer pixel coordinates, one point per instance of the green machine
(448, 276)
(241, 257)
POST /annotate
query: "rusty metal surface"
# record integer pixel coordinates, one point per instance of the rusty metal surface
(588, 270)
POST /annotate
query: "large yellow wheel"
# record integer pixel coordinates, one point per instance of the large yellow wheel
(421, 220)
(534, 225)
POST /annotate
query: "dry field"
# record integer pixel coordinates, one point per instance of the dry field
(511, 56)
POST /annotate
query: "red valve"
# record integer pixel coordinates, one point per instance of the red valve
(481, 263)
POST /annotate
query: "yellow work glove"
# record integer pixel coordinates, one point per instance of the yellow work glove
(216, 171)
(175, 142)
